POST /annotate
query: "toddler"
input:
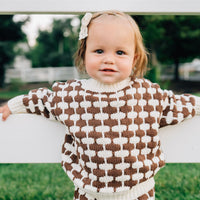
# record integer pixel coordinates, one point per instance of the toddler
(112, 148)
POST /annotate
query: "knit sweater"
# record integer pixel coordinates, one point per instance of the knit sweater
(111, 141)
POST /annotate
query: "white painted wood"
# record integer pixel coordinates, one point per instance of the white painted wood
(81, 6)
(26, 138)
(43, 74)
(181, 143)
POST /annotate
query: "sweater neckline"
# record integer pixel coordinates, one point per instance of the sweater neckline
(97, 86)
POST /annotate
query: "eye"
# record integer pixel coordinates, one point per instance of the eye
(99, 51)
(120, 52)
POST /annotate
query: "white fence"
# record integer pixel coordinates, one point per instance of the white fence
(23, 138)
(46, 74)
(26, 138)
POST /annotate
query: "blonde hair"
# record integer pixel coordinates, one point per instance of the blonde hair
(140, 51)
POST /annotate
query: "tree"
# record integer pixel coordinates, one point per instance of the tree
(56, 47)
(10, 34)
(174, 39)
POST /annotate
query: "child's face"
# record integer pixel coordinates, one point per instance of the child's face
(110, 56)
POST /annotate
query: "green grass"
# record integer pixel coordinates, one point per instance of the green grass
(49, 182)
(10, 94)
(178, 182)
(197, 94)
(34, 182)
(4, 94)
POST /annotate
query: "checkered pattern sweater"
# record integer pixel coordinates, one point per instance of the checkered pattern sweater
(112, 141)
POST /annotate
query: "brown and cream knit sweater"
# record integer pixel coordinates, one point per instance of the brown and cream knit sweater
(112, 141)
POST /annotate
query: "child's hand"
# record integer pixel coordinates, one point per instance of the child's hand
(5, 112)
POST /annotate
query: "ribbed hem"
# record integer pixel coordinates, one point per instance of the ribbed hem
(16, 105)
(197, 105)
(133, 193)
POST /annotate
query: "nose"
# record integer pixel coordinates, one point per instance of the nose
(109, 59)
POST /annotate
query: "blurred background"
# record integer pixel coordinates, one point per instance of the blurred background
(36, 50)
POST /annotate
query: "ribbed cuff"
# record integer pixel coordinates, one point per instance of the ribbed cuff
(16, 105)
(197, 105)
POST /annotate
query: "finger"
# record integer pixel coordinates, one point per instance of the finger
(5, 115)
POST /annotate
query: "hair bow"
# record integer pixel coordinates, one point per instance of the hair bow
(84, 26)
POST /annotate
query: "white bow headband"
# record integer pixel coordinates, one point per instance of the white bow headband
(84, 26)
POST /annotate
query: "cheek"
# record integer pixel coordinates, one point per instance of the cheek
(89, 65)
(91, 61)
(129, 64)
(127, 67)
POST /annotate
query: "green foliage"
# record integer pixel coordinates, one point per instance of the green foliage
(174, 39)
(171, 36)
(56, 47)
(152, 74)
(10, 34)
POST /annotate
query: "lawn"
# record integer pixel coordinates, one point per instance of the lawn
(197, 94)
(178, 182)
(5, 95)
(34, 182)
(49, 182)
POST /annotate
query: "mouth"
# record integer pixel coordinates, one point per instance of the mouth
(108, 70)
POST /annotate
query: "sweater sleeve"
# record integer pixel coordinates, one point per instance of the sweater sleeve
(38, 101)
(176, 108)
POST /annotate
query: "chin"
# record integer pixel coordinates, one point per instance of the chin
(109, 82)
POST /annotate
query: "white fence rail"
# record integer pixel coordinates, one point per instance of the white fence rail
(46, 74)
(78, 6)
(26, 138)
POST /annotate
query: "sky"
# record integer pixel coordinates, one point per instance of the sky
(37, 21)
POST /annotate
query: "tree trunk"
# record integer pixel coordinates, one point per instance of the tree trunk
(60, 47)
(2, 76)
(176, 69)
(154, 60)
